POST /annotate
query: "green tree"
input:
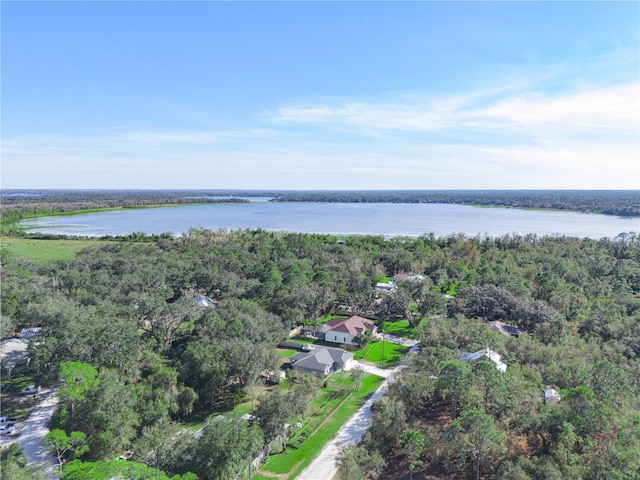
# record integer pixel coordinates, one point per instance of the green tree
(79, 470)
(80, 379)
(226, 449)
(358, 463)
(453, 382)
(65, 447)
(478, 437)
(412, 444)
(273, 412)
(388, 423)
(13, 465)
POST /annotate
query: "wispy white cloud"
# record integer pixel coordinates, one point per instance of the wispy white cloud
(508, 137)
(614, 108)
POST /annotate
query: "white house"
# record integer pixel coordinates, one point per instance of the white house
(488, 353)
(344, 330)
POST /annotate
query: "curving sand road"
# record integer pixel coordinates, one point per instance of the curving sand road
(33, 431)
(324, 466)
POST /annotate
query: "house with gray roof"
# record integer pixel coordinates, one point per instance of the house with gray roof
(321, 361)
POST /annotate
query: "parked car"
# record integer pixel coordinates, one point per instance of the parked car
(31, 389)
(8, 430)
(6, 421)
(307, 347)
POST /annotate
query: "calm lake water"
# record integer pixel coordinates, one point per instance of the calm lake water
(389, 219)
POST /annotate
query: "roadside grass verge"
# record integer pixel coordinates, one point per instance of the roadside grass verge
(375, 351)
(328, 413)
(46, 251)
(14, 404)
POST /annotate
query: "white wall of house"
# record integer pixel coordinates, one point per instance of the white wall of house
(348, 365)
(339, 337)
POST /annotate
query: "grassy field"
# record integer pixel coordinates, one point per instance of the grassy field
(401, 328)
(328, 413)
(45, 251)
(374, 352)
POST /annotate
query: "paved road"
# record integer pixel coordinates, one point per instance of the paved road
(324, 466)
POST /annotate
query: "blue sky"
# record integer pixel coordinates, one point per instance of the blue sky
(321, 95)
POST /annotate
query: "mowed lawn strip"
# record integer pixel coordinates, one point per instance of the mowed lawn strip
(46, 251)
(295, 460)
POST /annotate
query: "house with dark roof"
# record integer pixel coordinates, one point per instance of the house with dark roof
(344, 330)
(505, 329)
(321, 361)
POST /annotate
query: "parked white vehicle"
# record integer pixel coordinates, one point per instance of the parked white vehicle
(8, 430)
(31, 389)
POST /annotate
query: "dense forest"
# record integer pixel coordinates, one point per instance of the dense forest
(18, 204)
(141, 358)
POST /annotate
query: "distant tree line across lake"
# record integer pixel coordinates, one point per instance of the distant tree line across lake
(19, 204)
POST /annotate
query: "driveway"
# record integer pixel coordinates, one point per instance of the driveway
(34, 428)
(398, 340)
(324, 466)
(14, 350)
(33, 431)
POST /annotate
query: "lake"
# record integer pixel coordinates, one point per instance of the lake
(388, 219)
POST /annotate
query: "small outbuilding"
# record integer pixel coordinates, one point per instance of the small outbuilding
(551, 396)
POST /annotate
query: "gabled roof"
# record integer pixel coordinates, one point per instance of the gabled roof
(504, 328)
(485, 352)
(320, 358)
(354, 325)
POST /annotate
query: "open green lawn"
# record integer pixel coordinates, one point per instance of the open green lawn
(45, 251)
(286, 352)
(374, 352)
(401, 328)
(328, 412)
(326, 318)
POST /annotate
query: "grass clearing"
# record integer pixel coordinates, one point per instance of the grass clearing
(401, 328)
(14, 404)
(46, 251)
(328, 413)
(375, 351)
